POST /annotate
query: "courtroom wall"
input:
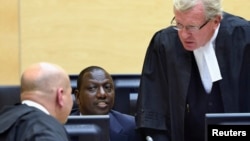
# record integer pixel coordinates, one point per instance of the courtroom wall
(74, 34)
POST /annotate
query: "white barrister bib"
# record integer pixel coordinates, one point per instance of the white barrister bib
(208, 64)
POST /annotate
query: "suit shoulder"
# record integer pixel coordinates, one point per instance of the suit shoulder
(121, 116)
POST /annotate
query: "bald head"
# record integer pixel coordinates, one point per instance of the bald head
(48, 85)
(43, 77)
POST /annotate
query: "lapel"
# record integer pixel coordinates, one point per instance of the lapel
(185, 71)
(116, 129)
(222, 53)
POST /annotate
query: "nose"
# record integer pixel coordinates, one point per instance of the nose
(184, 33)
(102, 92)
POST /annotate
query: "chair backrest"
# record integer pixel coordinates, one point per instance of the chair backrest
(126, 92)
(9, 95)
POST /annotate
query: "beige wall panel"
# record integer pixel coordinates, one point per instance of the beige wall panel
(113, 34)
(74, 34)
(9, 58)
(237, 7)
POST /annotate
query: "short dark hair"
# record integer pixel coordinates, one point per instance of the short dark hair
(88, 69)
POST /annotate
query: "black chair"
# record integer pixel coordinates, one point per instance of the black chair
(9, 95)
(126, 90)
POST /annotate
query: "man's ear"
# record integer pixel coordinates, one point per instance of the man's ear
(217, 20)
(77, 95)
(59, 96)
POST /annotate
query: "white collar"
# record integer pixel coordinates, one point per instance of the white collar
(36, 105)
(207, 63)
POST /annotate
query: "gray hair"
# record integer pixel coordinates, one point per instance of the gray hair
(212, 7)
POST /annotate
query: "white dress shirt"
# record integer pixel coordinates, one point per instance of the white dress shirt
(36, 105)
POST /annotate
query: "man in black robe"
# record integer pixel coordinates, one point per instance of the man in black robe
(199, 65)
(46, 104)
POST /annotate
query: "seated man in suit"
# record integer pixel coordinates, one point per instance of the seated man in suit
(95, 96)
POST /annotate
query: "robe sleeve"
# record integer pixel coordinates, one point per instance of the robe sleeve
(152, 103)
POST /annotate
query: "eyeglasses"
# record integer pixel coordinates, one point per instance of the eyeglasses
(190, 28)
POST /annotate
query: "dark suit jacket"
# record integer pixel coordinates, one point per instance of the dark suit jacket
(122, 126)
(167, 71)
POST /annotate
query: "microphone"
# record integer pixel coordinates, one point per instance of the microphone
(148, 138)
